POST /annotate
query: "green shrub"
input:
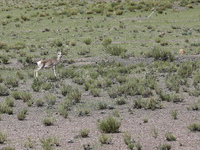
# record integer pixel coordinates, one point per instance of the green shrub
(22, 114)
(102, 105)
(2, 45)
(36, 85)
(16, 95)
(106, 42)
(109, 125)
(119, 12)
(88, 41)
(48, 143)
(4, 59)
(48, 121)
(160, 54)
(95, 92)
(105, 139)
(164, 147)
(128, 141)
(174, 114)
(172, 82)
(185, 70)
(46, 86)
(121, 101)
(170, 137)
(39, 103)
(11, 82)
(50, 99)
(115, 50)
(4, 108)
(84, 133)
(3, 137)
(75, 95)
(3, 90)
(194, 127)
(9, 102)
(66, 89)
(25, 96)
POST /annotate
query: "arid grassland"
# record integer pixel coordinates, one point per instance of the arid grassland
(128, 78)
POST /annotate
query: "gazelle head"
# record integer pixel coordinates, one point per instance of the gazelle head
(59, 54)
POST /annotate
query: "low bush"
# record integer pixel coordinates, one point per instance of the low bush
(105, 139)
(160, 54)
(194, 127)
(170, 137)
(22, 114)
(109, 125)
(4, 91)
(115, 50)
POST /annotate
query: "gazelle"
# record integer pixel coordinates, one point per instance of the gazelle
(49, 63)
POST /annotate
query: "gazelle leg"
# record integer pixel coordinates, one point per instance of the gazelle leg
(54, 69)
(36, 71)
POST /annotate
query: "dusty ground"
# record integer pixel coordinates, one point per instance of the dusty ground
(66, 129)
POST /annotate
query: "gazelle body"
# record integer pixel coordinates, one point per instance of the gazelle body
(49, 63)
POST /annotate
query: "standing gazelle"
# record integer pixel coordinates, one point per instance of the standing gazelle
(49, 63)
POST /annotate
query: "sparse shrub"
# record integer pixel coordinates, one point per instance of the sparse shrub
(4, 59)
(109, 125)
(19, 45)
(164, 147)
(121, 101)
(170, 137)
(196, 106)
(3, 90)
(119, 12)
(128, 141)
(46, 86)
(84, 52)
(176, 98)
(161, 54)
(11, 82)
(39, 103)
(25, 96)
(195, 127)
(145, 120)
(95, 92)
(75, 95)
(16, 95)
(83, 112)
(88, 41)
(174, 114)
(25, 18)
(154, 133)
(3, 137)
(9, 102)
(63, 109)
(102, 105)
(73, 43)
(185, 70)
(106, 42)
(116, 113)
(29, 143)
(4, 108)
(48, 143)
(105, 139)
(84, 133)
(20, 75)
(115, 50)
(22, 114)
(36, 85)
(48, 120)
(50, 99)
(2, 45)
(172, 82)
